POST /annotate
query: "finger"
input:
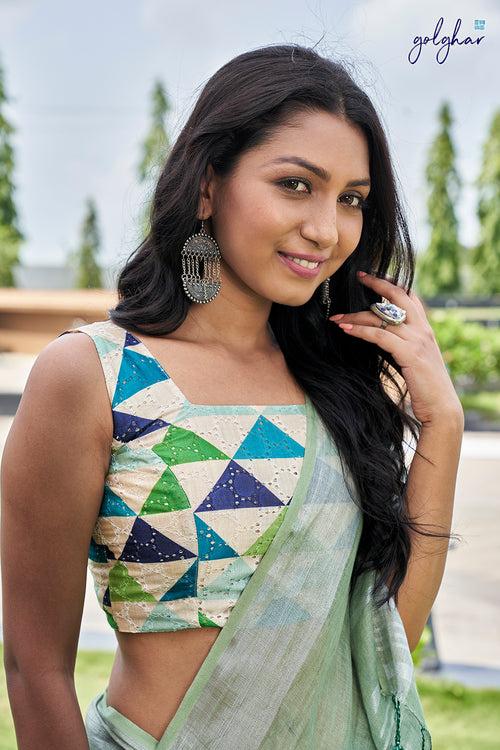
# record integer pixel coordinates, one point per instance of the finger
(369, 318)
(395, 294)
(384, 338)
(419, 305)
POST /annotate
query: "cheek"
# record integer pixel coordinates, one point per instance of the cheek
(350, 232)
(249, 215)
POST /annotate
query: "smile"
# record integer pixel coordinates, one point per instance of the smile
(304, 268)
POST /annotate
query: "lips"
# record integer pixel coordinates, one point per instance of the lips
(311, 258)
(307, 273)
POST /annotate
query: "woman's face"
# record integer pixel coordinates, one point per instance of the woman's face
(271, 205)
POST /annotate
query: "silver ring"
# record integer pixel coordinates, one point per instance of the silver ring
(389, 313)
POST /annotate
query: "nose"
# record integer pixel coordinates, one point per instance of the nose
(321, 229)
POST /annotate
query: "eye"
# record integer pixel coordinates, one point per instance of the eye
(361, 202)
(294, 180)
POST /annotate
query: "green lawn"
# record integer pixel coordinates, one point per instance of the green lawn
(487, 403)
(473, 313)
(459, 718)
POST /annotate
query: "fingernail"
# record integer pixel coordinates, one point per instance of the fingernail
(362, 273)
(337, 317)
(345, 326)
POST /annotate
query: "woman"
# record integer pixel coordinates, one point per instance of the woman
(254, 546)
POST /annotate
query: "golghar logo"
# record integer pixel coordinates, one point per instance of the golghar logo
(444, 43)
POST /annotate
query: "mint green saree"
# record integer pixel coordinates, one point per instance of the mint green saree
(298, 666)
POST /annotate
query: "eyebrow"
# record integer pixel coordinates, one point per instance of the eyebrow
(323, 174)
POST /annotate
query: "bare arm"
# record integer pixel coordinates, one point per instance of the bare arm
(53, 468)
(431, 493)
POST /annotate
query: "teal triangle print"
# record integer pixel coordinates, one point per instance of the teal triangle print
(210, 545)
(185, 586)
(163, 618)
(230, 583)
(136, 373)
(104, 346)
(265, 440)
(113, 505)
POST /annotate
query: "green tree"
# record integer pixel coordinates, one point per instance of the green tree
(84, 259)
(10, 234)
(155, 150)
(438, 268)
(485, 256)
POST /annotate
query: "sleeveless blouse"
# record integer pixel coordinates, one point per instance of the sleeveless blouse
(193, 496)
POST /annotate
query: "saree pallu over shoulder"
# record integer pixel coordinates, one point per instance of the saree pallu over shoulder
(299, 666)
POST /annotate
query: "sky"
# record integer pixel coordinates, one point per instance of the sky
(80, 76)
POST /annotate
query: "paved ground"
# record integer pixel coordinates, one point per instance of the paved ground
(466, 614)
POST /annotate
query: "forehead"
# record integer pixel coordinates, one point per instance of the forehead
(320, 137)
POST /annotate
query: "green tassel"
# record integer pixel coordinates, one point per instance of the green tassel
(397, 740)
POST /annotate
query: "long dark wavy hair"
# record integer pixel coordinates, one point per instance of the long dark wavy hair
(346, 378)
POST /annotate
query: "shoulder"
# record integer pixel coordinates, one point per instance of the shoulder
(67, 375)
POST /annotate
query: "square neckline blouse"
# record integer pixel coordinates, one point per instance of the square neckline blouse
(183, 396)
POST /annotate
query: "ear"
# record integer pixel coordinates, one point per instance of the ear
(206, 206)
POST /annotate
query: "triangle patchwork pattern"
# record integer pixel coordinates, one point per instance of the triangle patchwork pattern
(127, 427)
(112, 505)
(137, 372)
(193, 497)
(265, 440)
(238, 488)
(146, 544)
(124, 588)
(185, 586)
(182, 446)
(167, 495)
(210, 545)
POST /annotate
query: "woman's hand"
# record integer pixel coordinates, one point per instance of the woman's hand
(413, 346)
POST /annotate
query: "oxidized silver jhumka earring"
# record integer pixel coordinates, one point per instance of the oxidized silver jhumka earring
(201, 246)
(325, 295)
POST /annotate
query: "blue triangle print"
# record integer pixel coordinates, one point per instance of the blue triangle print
(210, 545)
(146, 544)
(265, 440)
(113, 505)
(97, 552)
(185, 586)
(136, 373)
(237, 488)
(106, 600)
(127, 427)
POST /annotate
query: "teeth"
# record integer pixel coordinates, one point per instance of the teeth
(302, 262)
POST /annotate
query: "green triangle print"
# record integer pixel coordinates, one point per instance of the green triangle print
(111, 620)
(124, 588)
(163, 618)
(259, 547)
(265, 440)
(166, 495)
(210, 545)
(180, 446)
(205, 621)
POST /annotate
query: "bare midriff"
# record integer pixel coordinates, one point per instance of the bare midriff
(152, 672)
